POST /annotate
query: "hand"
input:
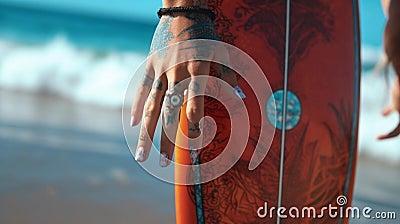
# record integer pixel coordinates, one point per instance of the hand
(168, 89)
(394, 106)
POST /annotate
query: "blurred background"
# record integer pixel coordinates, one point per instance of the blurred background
(64, 67)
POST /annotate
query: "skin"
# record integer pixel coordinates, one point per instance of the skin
(391, 41)
(147, 106)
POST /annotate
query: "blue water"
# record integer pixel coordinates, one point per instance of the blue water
(123, 25)
(31, 25)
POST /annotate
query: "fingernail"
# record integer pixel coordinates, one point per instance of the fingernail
(132, 121)
(239, 92)
(139, 154)
(185, 92)
(164, 161)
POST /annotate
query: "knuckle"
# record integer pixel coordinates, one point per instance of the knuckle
(193, 115)
(197, 67)
(151, 107)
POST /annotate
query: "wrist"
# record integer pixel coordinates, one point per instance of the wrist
(184, 3)
(186, 11)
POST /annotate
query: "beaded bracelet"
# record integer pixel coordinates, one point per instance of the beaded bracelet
(197, 9)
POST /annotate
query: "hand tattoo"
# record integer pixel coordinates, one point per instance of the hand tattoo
(162, 36)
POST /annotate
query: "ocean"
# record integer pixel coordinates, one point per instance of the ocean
(72, 49)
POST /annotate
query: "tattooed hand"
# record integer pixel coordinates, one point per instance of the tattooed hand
(167, 91)
(394, 106)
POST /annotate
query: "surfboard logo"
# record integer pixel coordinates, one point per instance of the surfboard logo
(274, 110)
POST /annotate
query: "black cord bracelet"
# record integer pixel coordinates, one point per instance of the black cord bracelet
(196, 9)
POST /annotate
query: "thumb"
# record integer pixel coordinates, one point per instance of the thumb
(229, 76)
(224, 71)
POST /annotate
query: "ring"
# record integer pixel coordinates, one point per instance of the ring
(173, 99)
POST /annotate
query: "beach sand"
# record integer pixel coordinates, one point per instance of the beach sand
(64, 162)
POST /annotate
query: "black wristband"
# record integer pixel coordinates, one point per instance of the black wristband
(196, 9)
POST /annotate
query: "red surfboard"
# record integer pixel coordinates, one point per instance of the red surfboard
(309, 52)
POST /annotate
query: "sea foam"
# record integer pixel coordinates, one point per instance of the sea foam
(60, 68)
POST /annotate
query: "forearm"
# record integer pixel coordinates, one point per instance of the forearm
(178, 3)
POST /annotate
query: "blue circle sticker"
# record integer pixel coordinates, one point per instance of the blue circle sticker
(275, 110)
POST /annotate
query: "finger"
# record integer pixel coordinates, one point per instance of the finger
(388, 110)
(193, 132)
(173, 101)
(141, 96)
(198, 71)
(392, 134)
(167, 144)
(151, 114)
